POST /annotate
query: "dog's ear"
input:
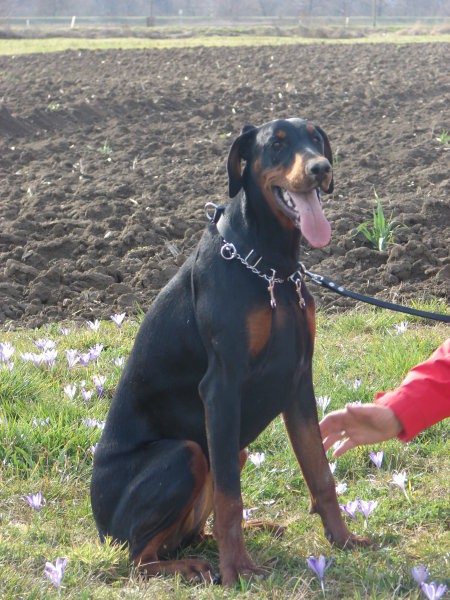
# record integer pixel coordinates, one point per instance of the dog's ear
(240, 150)
(328, 155)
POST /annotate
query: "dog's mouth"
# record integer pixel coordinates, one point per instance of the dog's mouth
(305, 210)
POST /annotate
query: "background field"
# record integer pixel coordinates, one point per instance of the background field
(107, 159)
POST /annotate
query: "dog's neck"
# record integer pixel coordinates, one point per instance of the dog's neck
(252, 219)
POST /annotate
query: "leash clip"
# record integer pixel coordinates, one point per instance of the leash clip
(213, 212)
(297, 279)
(270, 289)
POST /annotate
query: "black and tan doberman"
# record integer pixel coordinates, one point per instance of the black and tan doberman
(225, 348)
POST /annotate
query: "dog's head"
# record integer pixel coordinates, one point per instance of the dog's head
(290, 162)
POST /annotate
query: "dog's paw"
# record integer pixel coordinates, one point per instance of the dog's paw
(349, 541)
(231, 573)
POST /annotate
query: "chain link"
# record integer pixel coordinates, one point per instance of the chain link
(228, 252)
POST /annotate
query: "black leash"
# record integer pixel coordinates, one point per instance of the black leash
(214, 214)
(327, 283)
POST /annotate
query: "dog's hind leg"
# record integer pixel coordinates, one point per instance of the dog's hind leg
(164, 508)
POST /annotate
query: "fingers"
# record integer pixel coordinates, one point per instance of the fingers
(342, 447)
(332, 439)
(333, 423)
(358, 425)
(332, 429)
(341, 428)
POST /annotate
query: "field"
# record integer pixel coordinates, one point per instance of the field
(107, 160)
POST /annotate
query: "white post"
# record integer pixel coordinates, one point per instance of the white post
(72, 24)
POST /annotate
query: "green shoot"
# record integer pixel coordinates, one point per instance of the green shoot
(106, 149)
(380, 232)
(444, 138)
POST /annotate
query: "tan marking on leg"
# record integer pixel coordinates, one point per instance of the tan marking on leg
(311, 321)
(234, 558)
(192, 518)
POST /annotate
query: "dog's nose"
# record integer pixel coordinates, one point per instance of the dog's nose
(318, 168)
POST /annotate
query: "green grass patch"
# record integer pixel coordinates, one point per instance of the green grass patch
(60, 44)
(47, 439)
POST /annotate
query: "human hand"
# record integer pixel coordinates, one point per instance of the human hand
(357, 425)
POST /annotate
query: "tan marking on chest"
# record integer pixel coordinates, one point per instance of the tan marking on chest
(259, 327)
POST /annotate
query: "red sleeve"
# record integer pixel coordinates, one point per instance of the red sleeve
(423, 397)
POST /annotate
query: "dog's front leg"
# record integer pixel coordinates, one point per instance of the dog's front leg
(220, 393)
(302, 425)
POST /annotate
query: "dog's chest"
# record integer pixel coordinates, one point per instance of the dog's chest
(280, 332)
(279, 344)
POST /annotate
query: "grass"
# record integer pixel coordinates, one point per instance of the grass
(60, 44)
(55, 456)
(444, 138)
(379, 232)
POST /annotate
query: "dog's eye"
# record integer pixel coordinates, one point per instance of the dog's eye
(317, 139)
(277, 145)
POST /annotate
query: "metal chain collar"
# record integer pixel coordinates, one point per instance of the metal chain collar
(228, 251)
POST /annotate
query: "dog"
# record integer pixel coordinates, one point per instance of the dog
(226, 347)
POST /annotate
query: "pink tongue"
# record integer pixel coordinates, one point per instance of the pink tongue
(313, 224)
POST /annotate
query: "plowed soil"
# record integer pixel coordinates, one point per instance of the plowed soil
(107, 159)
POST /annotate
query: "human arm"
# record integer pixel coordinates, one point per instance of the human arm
(422, 399)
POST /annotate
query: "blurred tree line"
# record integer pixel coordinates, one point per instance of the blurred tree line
(225, 8)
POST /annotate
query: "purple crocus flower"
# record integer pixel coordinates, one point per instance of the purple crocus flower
(70, 390)
(99, 382)
(246, 513)
(350, 508)
(49, 357)
(377, 458)
(84, 358)
(94, 325)
(366, 507)
(86, 395)
(35, 500)
(95, 351)
(64, 331)
(257, 458)
(319, 566)
(432, 590)
(399, 479)
(357, 383)
(45, 344)
(31, 357)
(420, 574)
(401, 328)
(72, 357)
(118, 319)
(55, 571)
(6, 351)
(41, 423)
(323, 402)
(93, 423)
(119, 361)
(341, 488)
